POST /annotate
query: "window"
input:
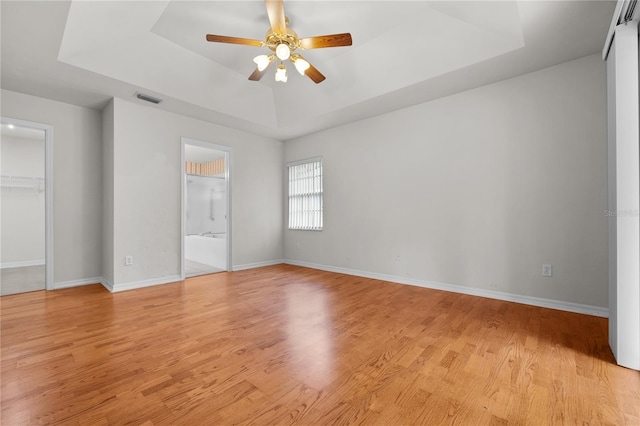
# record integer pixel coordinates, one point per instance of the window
(305, 194)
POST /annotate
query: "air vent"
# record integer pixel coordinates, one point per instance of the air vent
(147, 98)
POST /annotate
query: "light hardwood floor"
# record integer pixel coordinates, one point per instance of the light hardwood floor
(283, 344)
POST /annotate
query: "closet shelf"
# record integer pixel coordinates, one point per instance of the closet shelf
(22, 182)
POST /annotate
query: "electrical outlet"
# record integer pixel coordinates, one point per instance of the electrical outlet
(547, 270)
(397, 258)
(128, 260)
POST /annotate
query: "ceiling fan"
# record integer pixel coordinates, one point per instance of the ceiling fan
(283, 42)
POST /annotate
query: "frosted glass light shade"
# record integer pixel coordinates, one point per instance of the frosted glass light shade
(281, 74)
(283, 52)
(301, 65)
(262, 62)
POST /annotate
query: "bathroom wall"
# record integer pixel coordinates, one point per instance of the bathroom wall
(206, 205)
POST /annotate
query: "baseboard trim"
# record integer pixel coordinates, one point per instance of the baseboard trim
(257, 265)
(106, 284)
(77, 283)
(509, 297)
(22, 264)
(114, 288)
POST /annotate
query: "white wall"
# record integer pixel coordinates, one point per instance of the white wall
(77, 153)
(23, 209)
(478, 189)
(147, 144)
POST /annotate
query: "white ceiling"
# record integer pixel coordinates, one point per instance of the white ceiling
(403, 53)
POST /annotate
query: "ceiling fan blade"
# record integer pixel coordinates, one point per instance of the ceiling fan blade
(311, 72)
(275, 10)
(332, 40)
(256, 75)
(234, 40)
(314, 74)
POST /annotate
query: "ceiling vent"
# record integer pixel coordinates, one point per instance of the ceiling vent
(147, 98)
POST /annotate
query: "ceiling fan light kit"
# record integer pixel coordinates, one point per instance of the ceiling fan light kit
(281, 73)
(263, 61)
(283, 52)
(283, 41)
(301, 65)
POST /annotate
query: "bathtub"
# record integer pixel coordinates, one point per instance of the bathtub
(210, 249)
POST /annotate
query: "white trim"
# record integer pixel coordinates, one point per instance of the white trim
(106, 284)
(22, 264)
(527, 300)
(183, 210)
(227, 176)
(257, 264)
(77, 283)
(114, 288)
(48, 194)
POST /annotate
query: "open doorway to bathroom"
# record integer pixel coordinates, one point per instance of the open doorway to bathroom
(206, 198)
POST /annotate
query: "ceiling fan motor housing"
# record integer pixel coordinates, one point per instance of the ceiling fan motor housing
(290, 39)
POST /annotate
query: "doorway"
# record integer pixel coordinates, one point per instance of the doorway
(206, 238)
(26, 262)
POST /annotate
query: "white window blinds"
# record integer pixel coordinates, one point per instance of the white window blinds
(305, 195)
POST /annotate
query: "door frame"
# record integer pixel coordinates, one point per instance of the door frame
(48, 192)
(183, 199)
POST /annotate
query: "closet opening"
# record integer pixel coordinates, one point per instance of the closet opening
(26, 191)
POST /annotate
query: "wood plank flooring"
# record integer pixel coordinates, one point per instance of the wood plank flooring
(290, 345)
